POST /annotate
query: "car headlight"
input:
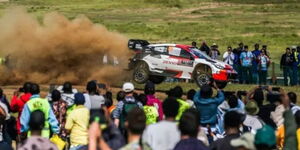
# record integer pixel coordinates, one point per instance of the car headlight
(219, 66)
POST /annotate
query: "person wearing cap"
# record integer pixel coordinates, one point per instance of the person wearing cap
(265, 138)
(214, 53)
(119, 115)
(256, 53)
(4, 115)
(252, 120)
(38, 103)
(244, 142)
(246, 59)
(149, 90)
(77, 123)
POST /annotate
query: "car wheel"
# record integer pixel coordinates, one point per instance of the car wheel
(157, 79)
(221, 84)
(201, 76)
(141, 73)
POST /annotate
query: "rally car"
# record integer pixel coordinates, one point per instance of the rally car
(155, 62)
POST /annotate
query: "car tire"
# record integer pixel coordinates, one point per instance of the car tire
(141, 73)
(221, 84)
(201, 76)
(157, 79)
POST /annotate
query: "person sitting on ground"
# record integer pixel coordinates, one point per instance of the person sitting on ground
(4, 116)
(177, 93)
(244, 142)
(232, 123)
(77, 123)
(165, 134)
(93, 99)
(38, 103)
(59, 107)
(152, 100)
(208, 105)
(190, 96)
(17, 103)
(189, 127)
(36, 141)
(151, 112)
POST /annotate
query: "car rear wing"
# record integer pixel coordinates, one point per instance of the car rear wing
(135, 44)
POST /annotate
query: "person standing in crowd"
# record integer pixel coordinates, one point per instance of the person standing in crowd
(151, 112)
(214, 53)
(36, 141)
(190, 98)
(77, 123)
(205, 48)
(286, 64)
(256, 53)
(177, 93)
(194, 44)
(17, 103)
(265, 49)
(4, 100)
(228, 56)
(59, 107)
(295, 66)
(93, 99)
(163, 135)
(208, 105)
(237, 62)
(149, 90)
(67, 93)
(298, 65)
(265, 138)
(38, 103)
(263, 64)
(252, 120)
(4, 116)
(293, 99)
(246, 59)
(189, 127)
(232, 123)
(123, 107)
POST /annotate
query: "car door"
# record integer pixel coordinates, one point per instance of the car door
(156, 57)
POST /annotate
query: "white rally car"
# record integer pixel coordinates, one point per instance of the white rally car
(155, 62)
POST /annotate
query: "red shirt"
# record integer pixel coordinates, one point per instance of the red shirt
(17, 104)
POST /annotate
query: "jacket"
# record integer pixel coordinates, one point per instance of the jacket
(287, 60)
(208, 107)
(153, 101)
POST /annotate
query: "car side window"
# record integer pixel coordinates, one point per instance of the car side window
(174, 51)
(185, 54)
(160, 50)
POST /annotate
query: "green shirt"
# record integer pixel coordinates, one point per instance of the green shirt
(151, 114)
(183, 106)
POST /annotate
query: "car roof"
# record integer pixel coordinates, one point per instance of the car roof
(177, 45)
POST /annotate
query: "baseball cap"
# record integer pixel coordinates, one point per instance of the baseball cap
(128, 87)
(265, 136)
(246, 140)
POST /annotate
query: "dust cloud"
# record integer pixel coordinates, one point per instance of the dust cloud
(56, 49)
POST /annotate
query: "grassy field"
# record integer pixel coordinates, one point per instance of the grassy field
(225, 22)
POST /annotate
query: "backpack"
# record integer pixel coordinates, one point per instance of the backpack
(128, 105)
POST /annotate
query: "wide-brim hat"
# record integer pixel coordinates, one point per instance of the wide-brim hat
(252, 108)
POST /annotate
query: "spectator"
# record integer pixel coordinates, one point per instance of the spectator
(252, 120)
(232, 123)
(194, 44)
(4, 115)
(298, 65)
(297, 119)
(237, 65)
(149, 90)
(36, 141)
(263, 64)
(286, 64)
(151, 112)
(67, 93)
(293, 99)
(163, 135)
(214, 53)
(77, 123)
(228, 56)
(295, 66)
(120, 97)
(245, 142)
(177, 93)
(60, 111)
(4, 100)
(265, 49)
(246, 63)
(265, 138)
(204, 48)
(208, 105)
(256, 53)
(93, 99)
(38, 103)
(190, 96)
(17, 103)
(189, 128)
(123, 107)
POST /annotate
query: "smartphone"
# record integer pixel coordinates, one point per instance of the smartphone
(102, 86)
(97, 115)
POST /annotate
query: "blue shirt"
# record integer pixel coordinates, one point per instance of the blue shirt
(208, 107)
(26, 116)
(119, 108)
(246, 58)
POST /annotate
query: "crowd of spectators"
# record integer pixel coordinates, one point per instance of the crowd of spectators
(263, 118)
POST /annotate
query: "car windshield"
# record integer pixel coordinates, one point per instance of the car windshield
(199, 54)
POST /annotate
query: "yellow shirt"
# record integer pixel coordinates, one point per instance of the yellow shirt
(280, 136)
(77, 122)
(298, 137)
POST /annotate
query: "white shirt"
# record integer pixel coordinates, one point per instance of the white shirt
(93, 101)
(163, 135)
(254, 122)
(228, 58)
